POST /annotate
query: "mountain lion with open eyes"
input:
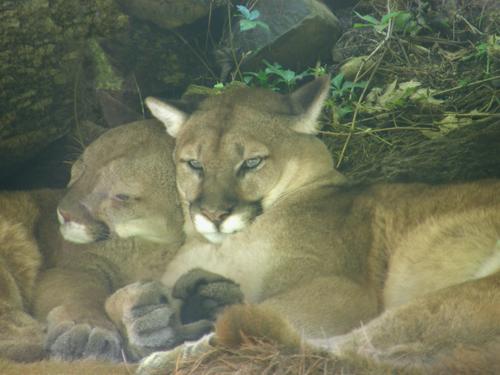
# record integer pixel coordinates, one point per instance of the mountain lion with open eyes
(273, 215)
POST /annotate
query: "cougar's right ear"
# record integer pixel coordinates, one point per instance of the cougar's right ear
(310, 98)
(172, 117)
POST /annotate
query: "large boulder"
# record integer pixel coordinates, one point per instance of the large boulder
(169, 14)
(298, 33)
(41, 49)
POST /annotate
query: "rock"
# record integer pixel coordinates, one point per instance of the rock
(298, 33)
(169, 14)
(150, 61)
(356, 64)
(40, 54)
(50, 168)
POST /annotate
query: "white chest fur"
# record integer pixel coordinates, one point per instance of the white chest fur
(244, 262)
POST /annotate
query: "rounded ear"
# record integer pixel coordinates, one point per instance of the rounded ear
(310, 98)
(172, 117)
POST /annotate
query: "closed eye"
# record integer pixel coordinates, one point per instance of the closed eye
(194, 165)
(122, 197)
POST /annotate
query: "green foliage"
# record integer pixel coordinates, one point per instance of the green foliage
(484, 51)
(249, 19)
(278, 78)
(404, 22)
(343, 94)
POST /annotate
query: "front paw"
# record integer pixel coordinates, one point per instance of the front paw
(205, 294)
(148, 317)
(70, 340)
(21, 336)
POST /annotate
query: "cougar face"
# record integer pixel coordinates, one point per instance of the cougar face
(122, 186)
(226, 178)
(233, 153)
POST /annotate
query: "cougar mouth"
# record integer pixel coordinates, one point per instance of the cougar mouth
(216, 231)
(76, 232)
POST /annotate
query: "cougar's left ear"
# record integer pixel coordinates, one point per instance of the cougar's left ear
(172, 117)
(309, 100)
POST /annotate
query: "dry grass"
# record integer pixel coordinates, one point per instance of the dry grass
(263, 358)
(440, 77)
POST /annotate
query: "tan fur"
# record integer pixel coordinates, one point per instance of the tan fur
(76, 279)
(21, 336)
(240, 324)
(65, 368)
(329, 256)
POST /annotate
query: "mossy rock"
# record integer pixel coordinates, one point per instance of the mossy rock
(154, 61)
(41, 49)
(170, 14)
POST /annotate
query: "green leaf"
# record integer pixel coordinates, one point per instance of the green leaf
(245, 12)
(247, 25)
(360, 25)
(402, 20)
(368, 19)
(387, 17)
(463, 82)
(247, 79)
(344, 110)
(254, 14)
(287, 75)
(337, 81)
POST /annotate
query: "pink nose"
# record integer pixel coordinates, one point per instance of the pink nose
(216, 216)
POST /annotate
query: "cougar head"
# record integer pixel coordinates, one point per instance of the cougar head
(239, 152)
(123, 185)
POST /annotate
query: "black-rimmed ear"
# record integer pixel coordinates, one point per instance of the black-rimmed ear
(310, 98)
(170, 116)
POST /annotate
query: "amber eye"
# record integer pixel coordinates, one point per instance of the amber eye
(195, 164)
(252, 163)
(122, 197)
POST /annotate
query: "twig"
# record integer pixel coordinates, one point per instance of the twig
(361, 97)
(231, 45)
(473, 28)
(466, 85)
(75, 106)
(124, 357)
(371, 131)
(141, 102)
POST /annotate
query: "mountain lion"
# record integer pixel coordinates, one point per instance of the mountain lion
(273, 215)
(121, 207)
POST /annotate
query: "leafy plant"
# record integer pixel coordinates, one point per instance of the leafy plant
(276, 77)
(484, 51)
(249, 19)
(404, 22)
(343, 93)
